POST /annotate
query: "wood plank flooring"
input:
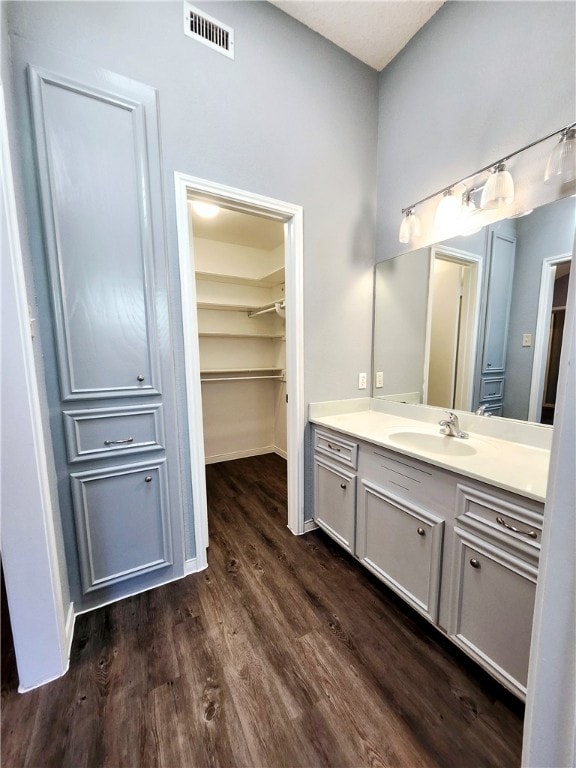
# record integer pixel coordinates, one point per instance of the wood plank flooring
(284, 652)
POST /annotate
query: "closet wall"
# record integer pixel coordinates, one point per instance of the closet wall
(239, 262)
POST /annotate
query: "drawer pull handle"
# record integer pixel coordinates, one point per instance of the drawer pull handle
(343, 486)
(334, 447)
(140, 377)
(420, 531)
(148, 479)
(119, 442)
(475, 563)
(501, 521)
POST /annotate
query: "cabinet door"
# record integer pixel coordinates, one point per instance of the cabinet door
(94, 178)
(335, 501)
(492, 608)
(402, 545)
(502, 255)
(122, 522)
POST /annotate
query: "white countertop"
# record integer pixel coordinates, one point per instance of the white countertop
(512, 466)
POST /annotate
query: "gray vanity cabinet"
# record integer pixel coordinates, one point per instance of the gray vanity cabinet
(96, 146)
(335, 463)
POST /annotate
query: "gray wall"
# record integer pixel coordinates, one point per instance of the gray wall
(548, 231)
(479, 80)
(292, 117)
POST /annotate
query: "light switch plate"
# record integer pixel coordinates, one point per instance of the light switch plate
(379, 379)
(362, 381)
(526, 339)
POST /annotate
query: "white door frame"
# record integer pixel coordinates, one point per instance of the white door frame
(292, 216)
(467, 259)
(542, 333)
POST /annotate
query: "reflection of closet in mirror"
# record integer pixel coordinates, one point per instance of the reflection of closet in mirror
(555, 286)
(239, 260)
(451, 329)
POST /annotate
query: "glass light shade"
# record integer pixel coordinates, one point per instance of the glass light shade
(409, 228)
(448, 211)
(499, 188)
(205, 210)
(562, 161)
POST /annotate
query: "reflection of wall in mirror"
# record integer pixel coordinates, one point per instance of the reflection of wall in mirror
(547, 231)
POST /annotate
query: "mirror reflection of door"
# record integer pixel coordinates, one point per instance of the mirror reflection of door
(557, 315)
(451, 331)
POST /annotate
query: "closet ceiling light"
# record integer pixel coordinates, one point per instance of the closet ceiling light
(499, 188)
(562, 161)
(205, 210)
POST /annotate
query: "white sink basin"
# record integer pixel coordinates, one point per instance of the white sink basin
(432, 443)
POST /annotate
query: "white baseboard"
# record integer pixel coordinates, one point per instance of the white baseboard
(309, 525)
(69, 630)
(193, 566)
(240, 454)
(281, 452)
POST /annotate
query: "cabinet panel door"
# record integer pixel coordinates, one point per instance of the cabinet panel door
(402, 544)
(492, 609)
(335, 502)
(123, 524)
(502, 256)
(92, 161)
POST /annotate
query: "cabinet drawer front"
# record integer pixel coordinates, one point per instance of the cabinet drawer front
(408, 478)
(492, 389)
(517, 527)
(402, 544)
(122, 521)
(98, 433)
(492, 609)
(335, 502)
(339, 449)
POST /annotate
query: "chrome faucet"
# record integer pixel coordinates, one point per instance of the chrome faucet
(482, 410)
(451, 426)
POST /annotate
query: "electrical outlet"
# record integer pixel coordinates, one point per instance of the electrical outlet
(362, 380)
(527, 340)
(379, 378)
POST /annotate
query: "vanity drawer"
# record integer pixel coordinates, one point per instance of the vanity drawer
(492, 389)
(340, 450)
(503, 520)
(101, 432)
(410, 479)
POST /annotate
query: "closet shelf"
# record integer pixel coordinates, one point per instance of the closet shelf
(231, 335)
(241, 374)
(269, 280)
(231, 307)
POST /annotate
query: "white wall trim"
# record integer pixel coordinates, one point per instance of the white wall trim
(30, 659)
(292, 216)
(218, 457)
(310, 525)
(191, 566)
(542, 334)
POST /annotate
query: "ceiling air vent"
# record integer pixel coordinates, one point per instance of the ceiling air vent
(208, 30)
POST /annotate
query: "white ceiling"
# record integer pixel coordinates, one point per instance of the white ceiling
(240, 228)
(373, 31)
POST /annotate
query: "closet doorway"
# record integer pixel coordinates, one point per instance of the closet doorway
(240, 258)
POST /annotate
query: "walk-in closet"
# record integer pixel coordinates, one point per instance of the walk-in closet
(239, 266)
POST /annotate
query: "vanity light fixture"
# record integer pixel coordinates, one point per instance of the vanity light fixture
(410, 226)
(448, 211)
(204, 209)
(499, 188)
(562, 161)
(469, 208)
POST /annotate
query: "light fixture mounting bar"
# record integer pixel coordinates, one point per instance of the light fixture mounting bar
(489, 166)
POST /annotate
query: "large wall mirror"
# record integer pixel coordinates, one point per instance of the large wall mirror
(475, 322)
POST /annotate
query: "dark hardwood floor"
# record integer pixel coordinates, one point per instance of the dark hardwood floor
(284, 652)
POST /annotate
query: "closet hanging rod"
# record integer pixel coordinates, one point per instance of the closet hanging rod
(274, 308)
(239, 378)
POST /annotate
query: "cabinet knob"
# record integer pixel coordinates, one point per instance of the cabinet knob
(148, 479)
(475, 563)
(420, 531)
(140, 377)
(343, 486)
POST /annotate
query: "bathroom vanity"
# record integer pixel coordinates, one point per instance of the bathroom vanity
(452, 525)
